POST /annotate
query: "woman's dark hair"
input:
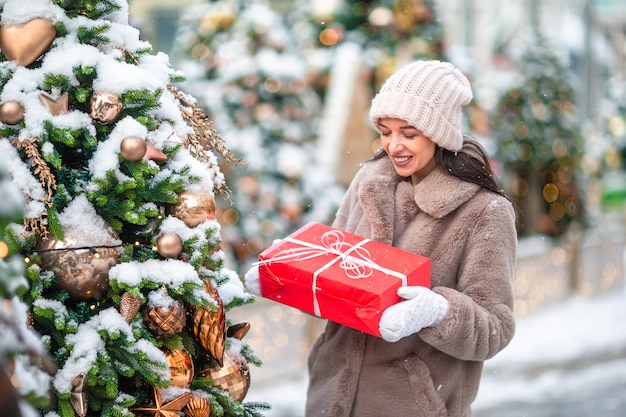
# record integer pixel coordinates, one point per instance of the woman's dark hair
(470, 164)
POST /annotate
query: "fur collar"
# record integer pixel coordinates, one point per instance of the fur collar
(390, 201)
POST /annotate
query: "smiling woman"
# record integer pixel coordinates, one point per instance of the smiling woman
(429, 190)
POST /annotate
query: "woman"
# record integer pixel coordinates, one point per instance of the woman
(429, 191)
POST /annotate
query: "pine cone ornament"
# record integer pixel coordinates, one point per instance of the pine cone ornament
(129, 306)
(209, 326)
(164, 322)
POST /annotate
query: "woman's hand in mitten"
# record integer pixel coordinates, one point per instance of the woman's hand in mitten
(252, 281)
(421, 308)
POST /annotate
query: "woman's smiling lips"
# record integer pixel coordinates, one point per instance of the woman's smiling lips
(401, 160)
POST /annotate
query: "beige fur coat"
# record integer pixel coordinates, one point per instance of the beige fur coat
(469, 234)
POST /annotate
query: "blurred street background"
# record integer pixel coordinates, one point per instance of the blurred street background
(288, 85)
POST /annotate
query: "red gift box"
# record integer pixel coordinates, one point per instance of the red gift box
(339, 276)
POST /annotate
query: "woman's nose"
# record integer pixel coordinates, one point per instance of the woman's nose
(395, 143)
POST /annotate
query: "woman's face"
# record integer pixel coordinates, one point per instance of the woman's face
(411, 152)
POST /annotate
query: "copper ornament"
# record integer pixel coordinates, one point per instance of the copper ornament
(209, 326)
(154, 154)
(25, 43)
(238, 331)
(133, 148)
(194, 208)
(83, 273)
(169, 245)
(78, 397)
(164, 322)
(197, 407)
(105, 107)
(181, 367)
(55, 106)
(129, 306)
(11, 112)
(161, 409)
(233, 376)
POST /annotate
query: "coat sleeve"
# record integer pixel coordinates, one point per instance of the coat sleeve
(480, 321)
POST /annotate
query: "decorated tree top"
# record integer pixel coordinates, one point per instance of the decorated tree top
(119, 172)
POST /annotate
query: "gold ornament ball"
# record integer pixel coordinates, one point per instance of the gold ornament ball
(83, 273)
(105, 107)
(11, 112)
(194, 208)
(197, 407)
(164, 322)
(181, 367)
(233, 377)
(169, 245)
(133, 148)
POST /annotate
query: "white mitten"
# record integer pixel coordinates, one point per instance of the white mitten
(422, 308)
(253, 281)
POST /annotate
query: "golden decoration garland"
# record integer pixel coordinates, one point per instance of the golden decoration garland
(47, 180)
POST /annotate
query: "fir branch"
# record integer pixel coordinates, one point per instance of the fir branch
(204, 137)
(253, 409)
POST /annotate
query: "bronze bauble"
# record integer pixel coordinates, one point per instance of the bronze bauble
(83, 273)
(133, 148)
(25, 43)
(169, 245)
(209, 326)
(181, 367)
(164, 322)
(194, 208)
(11, 112)
(105, 107)
(233, 377)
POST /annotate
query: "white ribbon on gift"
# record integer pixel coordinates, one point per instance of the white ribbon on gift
(355, 259)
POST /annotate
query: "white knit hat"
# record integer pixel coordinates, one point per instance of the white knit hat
(429, 95)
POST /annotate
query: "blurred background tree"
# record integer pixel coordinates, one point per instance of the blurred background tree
(245, 66)
(539, 141)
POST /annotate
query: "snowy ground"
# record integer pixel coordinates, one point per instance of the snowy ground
(566, 360)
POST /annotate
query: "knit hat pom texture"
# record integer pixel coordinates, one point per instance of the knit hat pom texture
(429, 95)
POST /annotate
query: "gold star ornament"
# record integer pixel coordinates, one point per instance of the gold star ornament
(161, 409)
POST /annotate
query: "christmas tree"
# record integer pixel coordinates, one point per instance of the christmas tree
(539, 141)
(254, 81)
(126, 279)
